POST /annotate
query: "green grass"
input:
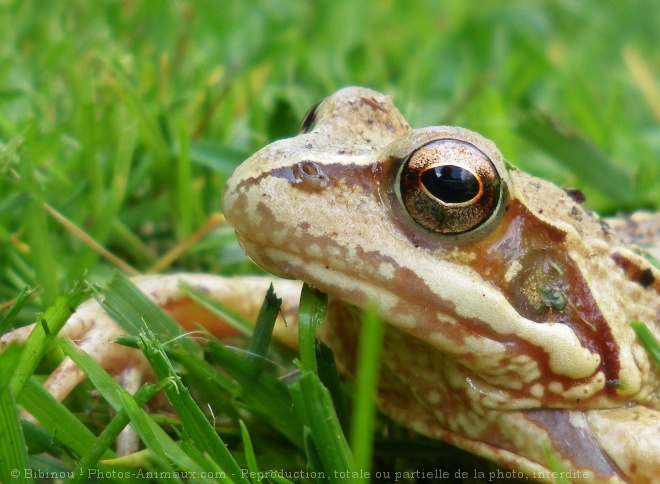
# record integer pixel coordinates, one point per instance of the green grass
(127, 117)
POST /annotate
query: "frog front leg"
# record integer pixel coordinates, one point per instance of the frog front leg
(95, 332)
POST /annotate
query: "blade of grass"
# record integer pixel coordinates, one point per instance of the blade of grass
(101, 380)
(133, 310)
(643, 75)
(314, 461)
(108, 210)
(194, 421)
(214, 220)
(366, 384)
(205, 372)
(232, 317)
(185, 204)
(580, 156)
(262, 393)
(127, 241)
(330, 378)
(8, 362)
(263, 330)
(153, 136)
(90, 242)
(312, 311)
(250, 458)
(13, 450)
(143, 424)
(266, 393)
(39, 440)
(648, 340)
(207, 381)
(109, 435)
(21, 300)
(314, 405)
(554, 463)
(655, 262)
(156, 440)
(37, 233)
(217, 473)
(57, 419)
(150, 433)
(325, 443)
(220, 158)
(48, 325)
(85, 124)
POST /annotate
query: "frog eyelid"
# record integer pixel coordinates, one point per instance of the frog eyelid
(309, 119)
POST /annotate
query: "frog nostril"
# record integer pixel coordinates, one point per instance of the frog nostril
(307, 169)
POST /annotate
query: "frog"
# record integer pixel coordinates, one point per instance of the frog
(507, 305)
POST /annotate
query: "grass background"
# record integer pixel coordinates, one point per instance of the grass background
(128, 116)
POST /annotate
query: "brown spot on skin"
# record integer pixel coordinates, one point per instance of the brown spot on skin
(576, 194)
(635, 272)
(647, 278)
(576, 213)
(373, 103)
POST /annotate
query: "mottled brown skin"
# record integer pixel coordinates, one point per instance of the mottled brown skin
(502, 339)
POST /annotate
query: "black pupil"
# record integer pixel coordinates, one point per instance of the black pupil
(451, 184)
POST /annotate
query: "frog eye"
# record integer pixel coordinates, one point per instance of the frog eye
(450, 187)
(310, 118)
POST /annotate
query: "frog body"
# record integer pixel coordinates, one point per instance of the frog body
(507, 304)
